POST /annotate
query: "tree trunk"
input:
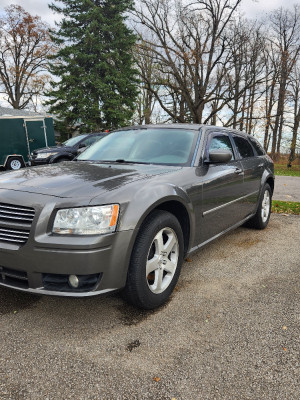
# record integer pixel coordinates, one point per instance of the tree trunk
(279, 136)
(295, 129)
(294, 139)
(269, 106)
(280, 107)
(242, 121)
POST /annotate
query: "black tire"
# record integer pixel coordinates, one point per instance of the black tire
(14, 163)
(140, 289)
(262, 216)
(62, 159)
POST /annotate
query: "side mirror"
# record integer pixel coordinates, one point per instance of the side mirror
(81, 150)
(219, 156)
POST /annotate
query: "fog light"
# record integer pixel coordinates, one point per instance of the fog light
(74, 281)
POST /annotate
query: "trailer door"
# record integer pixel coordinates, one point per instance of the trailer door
(36, 134)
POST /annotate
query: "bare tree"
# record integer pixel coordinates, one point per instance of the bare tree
(189, 46)
(285, 37)
(293, 95)
(146, 99)
(24, 47)
(270, 84)
(209, 65)
(246, 74)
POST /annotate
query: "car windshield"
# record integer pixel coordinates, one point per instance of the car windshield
(74, 140)
(150, 146)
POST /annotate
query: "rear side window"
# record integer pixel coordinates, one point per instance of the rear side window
(259, 150)
(243, 146)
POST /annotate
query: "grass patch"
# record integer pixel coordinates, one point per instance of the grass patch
(285, 207)
(283, 170)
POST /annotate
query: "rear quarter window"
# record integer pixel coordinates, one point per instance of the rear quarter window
(258, 148)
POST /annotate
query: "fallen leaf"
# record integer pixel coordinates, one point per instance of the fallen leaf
(284, 328)
(156, 379)
(188, 259)
(15, 312)
(284, 349)
(133, 345)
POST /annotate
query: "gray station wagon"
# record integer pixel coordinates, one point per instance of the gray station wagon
(129, 209)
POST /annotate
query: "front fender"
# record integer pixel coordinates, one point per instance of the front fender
(56, 157)
(148, 198)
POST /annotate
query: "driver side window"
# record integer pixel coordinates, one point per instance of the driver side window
(220, 141)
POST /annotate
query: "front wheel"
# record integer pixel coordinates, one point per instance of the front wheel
(155, 262)
(62, 159)
(262, 216)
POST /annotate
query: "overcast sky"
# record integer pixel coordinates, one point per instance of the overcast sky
(250, 8)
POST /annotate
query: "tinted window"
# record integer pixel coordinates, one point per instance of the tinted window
(259, 150)
(153, 146)
(220, 142)
(90, 140)
(244, 147)
(74, 140)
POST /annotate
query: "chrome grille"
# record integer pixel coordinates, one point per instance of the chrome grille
(13, 235)
(16, 214)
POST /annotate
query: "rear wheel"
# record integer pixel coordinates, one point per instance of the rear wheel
(155, 262)
(262, 216)
(14, 163)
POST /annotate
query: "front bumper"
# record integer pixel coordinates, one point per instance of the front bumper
(32, 162)
(26, 266)
(42, 291)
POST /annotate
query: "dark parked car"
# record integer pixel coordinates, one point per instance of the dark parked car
(67, 151)
(129, 209)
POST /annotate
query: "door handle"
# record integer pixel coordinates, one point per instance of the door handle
(238, 171)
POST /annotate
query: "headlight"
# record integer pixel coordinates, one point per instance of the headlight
(45, 155)
(86, 220)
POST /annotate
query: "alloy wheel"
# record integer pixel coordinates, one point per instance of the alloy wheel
(265, 206)
(162, 260)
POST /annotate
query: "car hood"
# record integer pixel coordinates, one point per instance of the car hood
(78, 179)
(52, 149)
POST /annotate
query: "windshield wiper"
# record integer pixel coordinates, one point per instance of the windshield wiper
(118, 160)
(122, 161)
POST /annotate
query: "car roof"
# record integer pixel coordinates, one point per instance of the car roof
(183, 126)
(165, 126)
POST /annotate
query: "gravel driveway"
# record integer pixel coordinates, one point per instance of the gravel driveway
(230, 331)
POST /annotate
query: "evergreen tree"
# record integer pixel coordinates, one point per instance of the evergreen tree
(97, 82)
